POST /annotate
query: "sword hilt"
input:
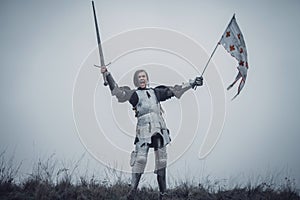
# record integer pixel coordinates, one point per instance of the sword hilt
(102, 63)
(105, 80)
(104, 75)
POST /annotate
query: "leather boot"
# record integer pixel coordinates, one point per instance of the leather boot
(134, 185)
(161, 180)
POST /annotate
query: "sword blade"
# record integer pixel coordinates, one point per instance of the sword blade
(99, 42)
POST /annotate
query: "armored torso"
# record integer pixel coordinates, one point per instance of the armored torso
(149, 117)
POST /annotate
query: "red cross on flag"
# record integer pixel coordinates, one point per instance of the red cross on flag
(233, 41)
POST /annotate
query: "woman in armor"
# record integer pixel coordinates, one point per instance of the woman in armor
(151, 129)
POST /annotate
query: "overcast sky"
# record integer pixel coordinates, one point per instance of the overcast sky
(44, 44)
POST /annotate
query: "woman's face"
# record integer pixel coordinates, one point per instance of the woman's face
(143, 79)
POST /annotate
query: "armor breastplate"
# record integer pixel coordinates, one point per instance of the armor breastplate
(149, 118)
(147, 102)
(149, 110)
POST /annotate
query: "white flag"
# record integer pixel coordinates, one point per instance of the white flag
(233, 41)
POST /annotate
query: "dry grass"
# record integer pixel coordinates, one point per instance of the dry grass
(48, 181)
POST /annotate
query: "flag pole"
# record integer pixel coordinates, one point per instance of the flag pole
(210, 58)
(215, 49)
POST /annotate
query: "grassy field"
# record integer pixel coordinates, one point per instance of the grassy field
(48, 181)
(39, 189)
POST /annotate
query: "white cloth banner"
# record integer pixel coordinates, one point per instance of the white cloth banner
(233, 41)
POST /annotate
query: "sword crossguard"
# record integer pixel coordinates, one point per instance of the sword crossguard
(104, 76)
(104, 65)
